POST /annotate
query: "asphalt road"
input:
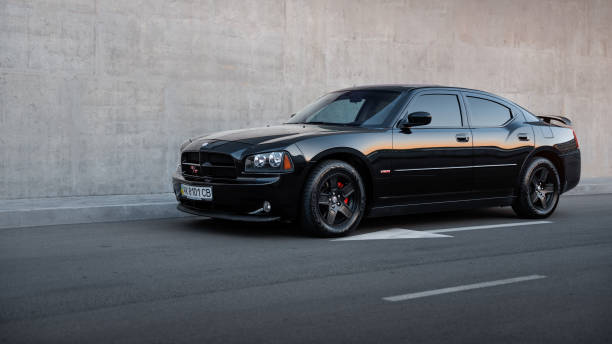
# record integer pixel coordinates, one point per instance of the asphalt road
(197, 280)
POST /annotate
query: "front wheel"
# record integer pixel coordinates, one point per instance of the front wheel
(334, 199)
(539, 190)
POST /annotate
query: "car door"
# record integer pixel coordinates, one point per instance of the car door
(432, 163)
(502, 141)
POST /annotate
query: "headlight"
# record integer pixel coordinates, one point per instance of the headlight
(269, 162)
(275, 159)
(259, 161)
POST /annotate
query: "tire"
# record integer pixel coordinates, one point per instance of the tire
(334, 199)
(538, 190)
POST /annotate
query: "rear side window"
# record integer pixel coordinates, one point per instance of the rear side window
(485, 113)
(443, 108)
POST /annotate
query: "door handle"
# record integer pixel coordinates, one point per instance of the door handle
(462, 138)
(523, 137)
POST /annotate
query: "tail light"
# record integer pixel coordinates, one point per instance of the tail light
(575, 139)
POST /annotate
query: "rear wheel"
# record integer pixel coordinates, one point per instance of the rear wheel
(334, 199)
(539, 190)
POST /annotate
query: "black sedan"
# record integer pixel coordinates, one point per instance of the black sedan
(379, 151)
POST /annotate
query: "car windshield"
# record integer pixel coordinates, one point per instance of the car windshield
(351, 108)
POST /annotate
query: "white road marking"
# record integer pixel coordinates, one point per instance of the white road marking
(401, 233)
(459, 288)
(394, 233)
(501, 225)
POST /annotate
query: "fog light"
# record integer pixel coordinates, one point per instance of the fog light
(267, 206)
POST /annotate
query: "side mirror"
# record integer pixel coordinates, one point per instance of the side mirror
(292, 115)
(416, 119)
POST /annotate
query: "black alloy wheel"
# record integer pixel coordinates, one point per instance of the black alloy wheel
(336, 195)
(334, 199)
(542, 189)
(539, 191)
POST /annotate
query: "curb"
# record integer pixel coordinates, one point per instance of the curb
(591, 189)
(73, 210)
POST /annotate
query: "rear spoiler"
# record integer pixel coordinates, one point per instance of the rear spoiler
(566, 121)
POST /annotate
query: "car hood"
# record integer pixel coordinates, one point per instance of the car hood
(287, 133)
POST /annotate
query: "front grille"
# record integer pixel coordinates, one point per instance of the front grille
(217, 159)
(208, 164)
(191, 157)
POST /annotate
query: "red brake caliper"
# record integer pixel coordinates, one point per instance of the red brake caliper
(340, 186)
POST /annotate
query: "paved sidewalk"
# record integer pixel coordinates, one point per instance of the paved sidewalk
(592, 186)
(67, 210)
(70, 210)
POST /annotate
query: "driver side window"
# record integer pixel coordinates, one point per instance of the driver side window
(444, 109)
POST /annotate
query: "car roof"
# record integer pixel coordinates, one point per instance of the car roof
(409, 87)
(405, 87)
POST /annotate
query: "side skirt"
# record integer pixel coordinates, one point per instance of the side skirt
(402, 209)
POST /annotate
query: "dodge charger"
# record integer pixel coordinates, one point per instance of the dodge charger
(379, 151)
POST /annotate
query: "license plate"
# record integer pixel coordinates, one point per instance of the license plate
(198, 193)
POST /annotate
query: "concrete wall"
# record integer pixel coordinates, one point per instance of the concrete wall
(96, 96)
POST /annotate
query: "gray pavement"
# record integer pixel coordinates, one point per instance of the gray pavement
(198, 280)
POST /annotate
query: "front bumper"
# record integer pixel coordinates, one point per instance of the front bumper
(242, 198)
(226, 215)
